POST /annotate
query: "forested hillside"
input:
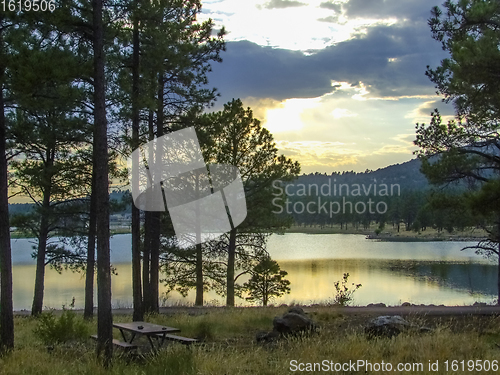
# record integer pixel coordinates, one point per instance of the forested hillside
(398, 195)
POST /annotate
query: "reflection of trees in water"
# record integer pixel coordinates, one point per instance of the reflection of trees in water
(475, 278)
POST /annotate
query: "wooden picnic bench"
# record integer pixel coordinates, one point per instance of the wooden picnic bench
(156, 335)
(121, 344)
(182, 340)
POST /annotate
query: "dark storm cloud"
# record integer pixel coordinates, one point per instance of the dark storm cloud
(252, 70)
(414, 9)
(280, 4)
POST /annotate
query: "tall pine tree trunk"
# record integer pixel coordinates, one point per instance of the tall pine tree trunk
(199, 249)
(37, 306)
(89, 274)
(156, 216)
(498, 280)
(148, 219)
(265, 291)
(146, 262)
(155, 260)
(498, 273)
(138, 314)
(231, 256)
(6, 307)
(199, 275)
(104, 313)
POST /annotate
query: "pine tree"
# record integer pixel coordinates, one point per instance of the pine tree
(467, 148)
(6, 305)
(234, 137)
(267, 282)
(47, 129)
(101, 172)
(170, 57)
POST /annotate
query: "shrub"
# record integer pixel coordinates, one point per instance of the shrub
(343, 295)
(67, 327)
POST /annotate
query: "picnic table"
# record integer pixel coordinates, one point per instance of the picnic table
(154, 332)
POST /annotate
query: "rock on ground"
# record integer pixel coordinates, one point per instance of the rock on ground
(295, 321)
(390, 326)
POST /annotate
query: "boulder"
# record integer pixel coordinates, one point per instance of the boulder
(295, 321)
(292, 322)
(386, 326)
(390, 326)
(297, 310)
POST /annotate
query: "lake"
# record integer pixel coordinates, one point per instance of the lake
(390, 272)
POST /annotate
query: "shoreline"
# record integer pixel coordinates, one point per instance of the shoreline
(410, 309)
(422, 239)
(387, 236)
(392, 235)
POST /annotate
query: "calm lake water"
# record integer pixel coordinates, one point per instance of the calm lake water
(390, 272)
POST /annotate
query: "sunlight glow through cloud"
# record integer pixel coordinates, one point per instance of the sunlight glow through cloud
(302, 28)
(342, 112)
(372, 55)
(359, 92)
(328, 133)
(287, 117)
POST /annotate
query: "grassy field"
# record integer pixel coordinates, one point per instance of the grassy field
(230, 346)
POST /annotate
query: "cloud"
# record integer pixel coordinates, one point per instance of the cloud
(394, 149)
(250, 70)
(281, 4)
(337, 7)
(389, 60)
(444, 109)
(422, 112)
(336, 59)
(405, 138)
(259, 106)
(410, 9)
(330, 19)
(342, 112)
(327, 157)
(318, 155)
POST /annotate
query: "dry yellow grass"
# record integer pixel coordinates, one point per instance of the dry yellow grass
(231, 348)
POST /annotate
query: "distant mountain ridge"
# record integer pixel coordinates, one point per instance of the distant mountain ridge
(407, 175)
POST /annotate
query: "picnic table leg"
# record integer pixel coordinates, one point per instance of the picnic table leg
(125, 338)
(159, 341)
(162, 339)
(155, 349)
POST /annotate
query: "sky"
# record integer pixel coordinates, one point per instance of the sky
(339, 83)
